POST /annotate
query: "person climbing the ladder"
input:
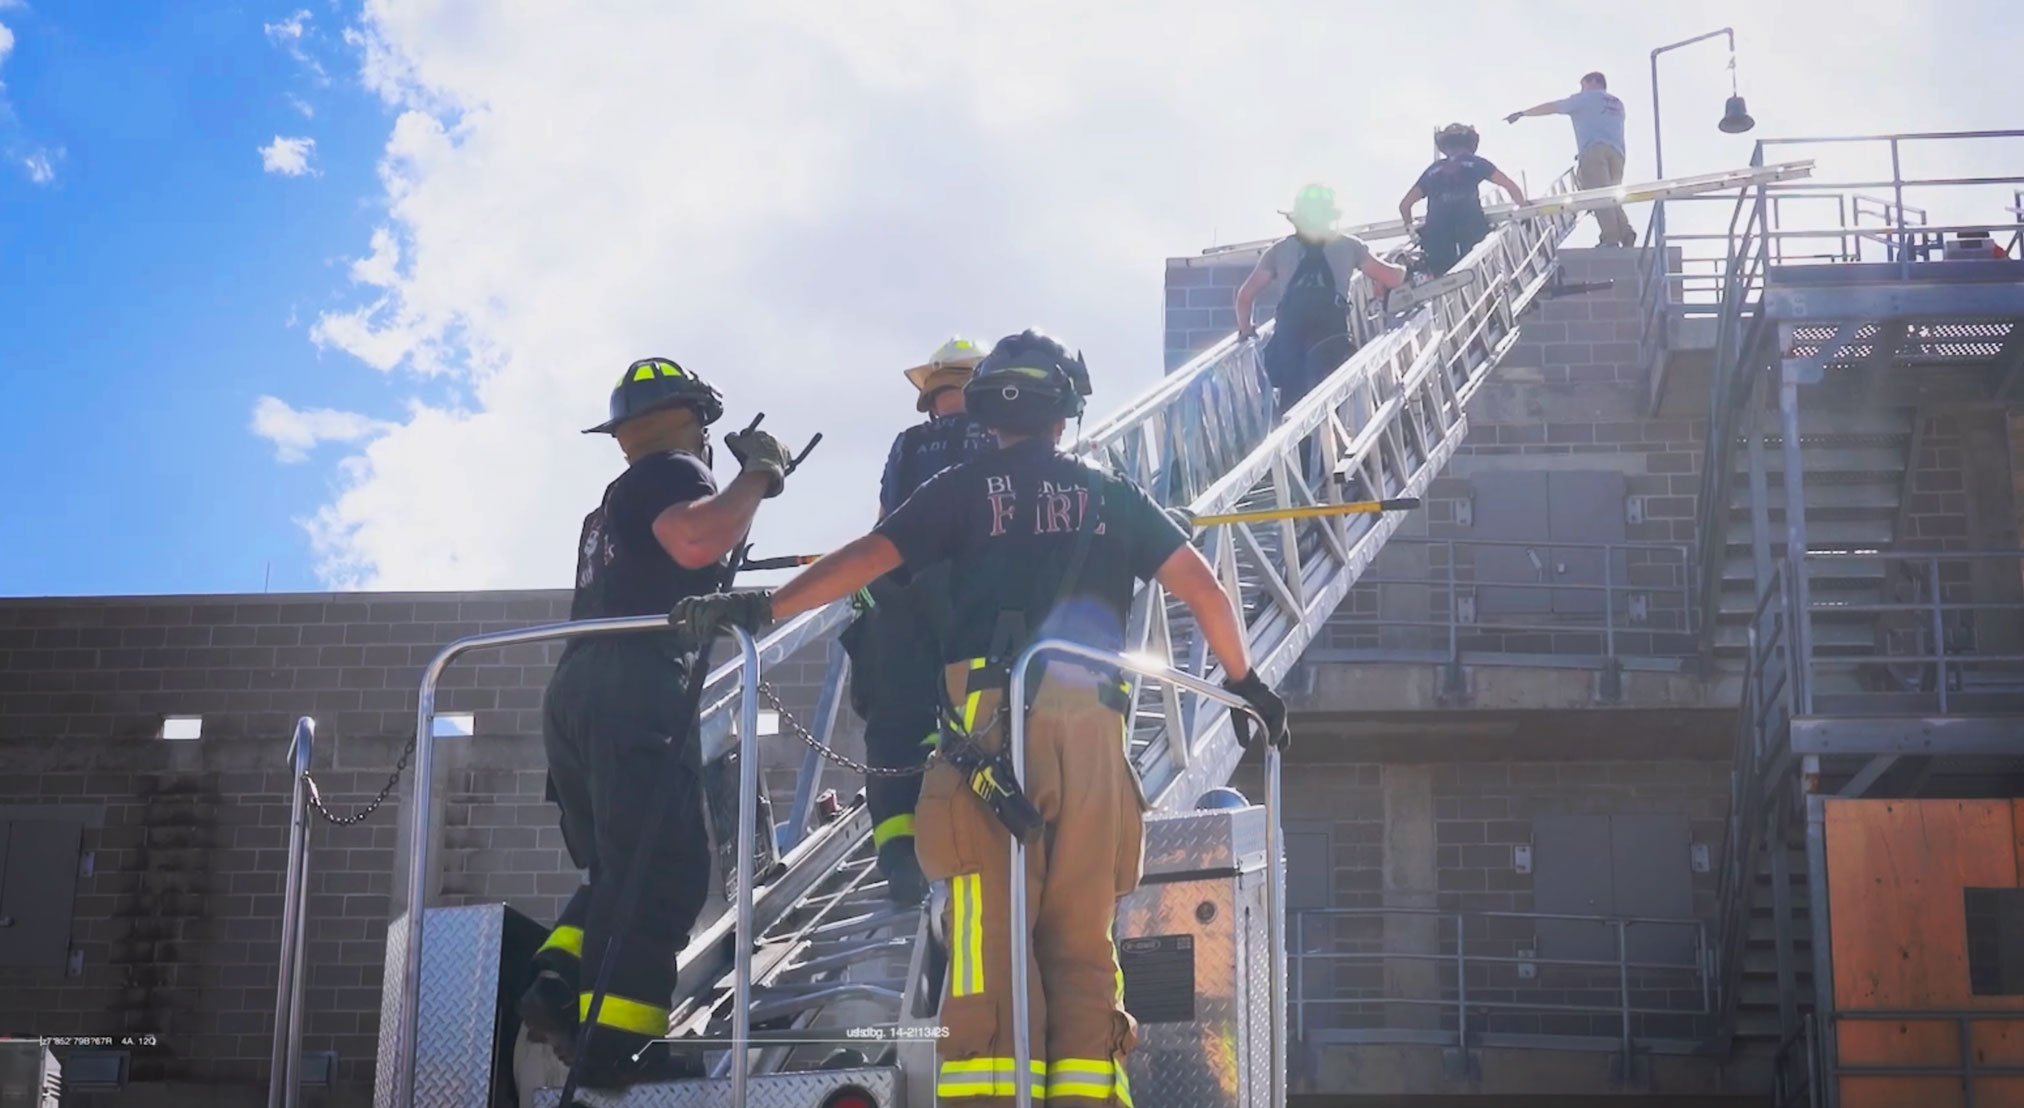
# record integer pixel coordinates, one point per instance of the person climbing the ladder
(1310, 330)
(1455, 221)
(895, 671)
(616, 749)
(1039, 544)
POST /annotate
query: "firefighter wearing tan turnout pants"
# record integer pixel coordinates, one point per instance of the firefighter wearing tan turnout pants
(1039, 545)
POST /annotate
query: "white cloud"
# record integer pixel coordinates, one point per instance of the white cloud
(6, 41)
(295, 433)
(41, 169)
(798, 199)
(288, 156)
(307, 109)
(292, 34)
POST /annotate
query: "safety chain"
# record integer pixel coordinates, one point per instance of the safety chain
(787, 720)
(316, 799)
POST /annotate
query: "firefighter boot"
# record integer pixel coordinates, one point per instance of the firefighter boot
(905, 884)
(619, 1059)
(548, 1007)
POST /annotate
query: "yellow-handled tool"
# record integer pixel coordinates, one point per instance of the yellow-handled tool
(1314, 511)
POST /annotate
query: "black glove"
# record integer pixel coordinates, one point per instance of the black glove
(1514, 117)
(697, 619)
(759, 452)
(1268, 706)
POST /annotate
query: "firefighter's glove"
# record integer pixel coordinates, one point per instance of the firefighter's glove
(761, 453)
(697, 619)
(1269, 707)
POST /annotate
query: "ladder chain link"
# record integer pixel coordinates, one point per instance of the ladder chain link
(316, 798)
(787, 719)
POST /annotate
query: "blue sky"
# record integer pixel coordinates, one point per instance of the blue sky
(504, 204)
(149, 292)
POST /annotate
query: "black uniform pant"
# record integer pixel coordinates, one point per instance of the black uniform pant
(1447, 241)
(618, 753)
(1296, 360)
(898, 666)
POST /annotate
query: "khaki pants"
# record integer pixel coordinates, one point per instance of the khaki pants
(1601, 166)
(1076, 773)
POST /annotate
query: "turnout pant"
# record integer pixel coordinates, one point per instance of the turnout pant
(608, 719)
(1089, 855)
(1601, 166)
(1448, 241)
(899, 665)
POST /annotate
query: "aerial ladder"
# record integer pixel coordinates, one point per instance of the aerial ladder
(815, 948)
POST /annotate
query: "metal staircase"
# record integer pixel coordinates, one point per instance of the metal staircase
(826, 950)
(1853, 631)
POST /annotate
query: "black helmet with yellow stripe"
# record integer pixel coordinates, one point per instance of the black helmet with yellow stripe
(652, 384)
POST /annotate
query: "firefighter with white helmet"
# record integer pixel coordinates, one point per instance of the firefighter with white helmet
(892, 643)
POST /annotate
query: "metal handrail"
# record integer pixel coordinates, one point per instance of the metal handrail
(1275, 891)
(1607, 623)
(284, 1079)
(406, 1039)
(1935, 606)
(1460, 959)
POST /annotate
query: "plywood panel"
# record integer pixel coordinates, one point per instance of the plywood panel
(1896, 870)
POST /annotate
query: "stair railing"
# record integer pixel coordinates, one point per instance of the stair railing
(1738, 340)
(1762, 759)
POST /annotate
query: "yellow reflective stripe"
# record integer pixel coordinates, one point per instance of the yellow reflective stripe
(626, 1015)
(959, 917)
(987, 1077)
(976, 932)
(988, 1065)
(966, 953)
(1097, 1078)
(566, 939)
(934, 739)
(893, 827)
(643, 373)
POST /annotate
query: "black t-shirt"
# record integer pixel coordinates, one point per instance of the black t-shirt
(1450, 185)
(1008, 522)
(621, 569)
(925, 449)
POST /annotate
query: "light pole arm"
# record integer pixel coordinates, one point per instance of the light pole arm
(1658, 147)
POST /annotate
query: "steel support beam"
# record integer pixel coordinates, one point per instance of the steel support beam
(1823, 947)
(1927, 735)
(1866, 778)
(1883, 300)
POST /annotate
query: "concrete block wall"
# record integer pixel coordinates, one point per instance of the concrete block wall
(1569, 395)
(178, 921)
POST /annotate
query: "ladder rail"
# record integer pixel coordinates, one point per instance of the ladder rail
(1585, 200)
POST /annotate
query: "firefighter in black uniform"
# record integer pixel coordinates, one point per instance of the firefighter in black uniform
(609, 718)
(892, 645)
(1455, 221)
(1039, 544)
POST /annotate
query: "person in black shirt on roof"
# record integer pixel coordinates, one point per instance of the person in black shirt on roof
(894, 668)
(609, 715)
(1039, 544)
(1455, 221)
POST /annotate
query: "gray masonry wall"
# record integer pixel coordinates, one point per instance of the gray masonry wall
(178, 922)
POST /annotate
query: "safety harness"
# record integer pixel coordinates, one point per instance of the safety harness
(991, 775)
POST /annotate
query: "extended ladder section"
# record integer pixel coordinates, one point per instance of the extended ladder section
(827, 950)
